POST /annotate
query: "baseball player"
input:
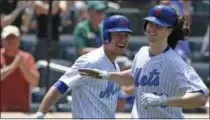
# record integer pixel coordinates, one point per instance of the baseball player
(164, 83)
(91, 98)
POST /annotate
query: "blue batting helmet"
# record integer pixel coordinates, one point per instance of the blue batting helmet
(115, 23)
(162, 15)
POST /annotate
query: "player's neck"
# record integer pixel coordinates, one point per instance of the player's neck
(110, 55)
(157, 48)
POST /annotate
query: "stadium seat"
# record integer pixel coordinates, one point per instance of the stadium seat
(62, 105)
(70, 54)
(68, 51)
(37, 94)
(66, 41)
(34, 107)
(136, 43)
(198, 57)
(27, 43)
(195, 44)
(54, 74)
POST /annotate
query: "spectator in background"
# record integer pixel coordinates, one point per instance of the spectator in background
(76, 12)
(183, 8)
(27, 17)
(18, 72)
(81, 10)
(41, 13)
(11, 13)
(87, 34)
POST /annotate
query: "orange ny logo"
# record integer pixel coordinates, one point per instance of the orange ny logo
(122, 22)
(157, 11)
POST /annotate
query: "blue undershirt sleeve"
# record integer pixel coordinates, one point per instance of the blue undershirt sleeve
(61, 86)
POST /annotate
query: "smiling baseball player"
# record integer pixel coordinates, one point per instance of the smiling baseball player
(91, 98)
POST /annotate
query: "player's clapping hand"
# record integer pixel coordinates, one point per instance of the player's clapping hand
(93, 73)
(148, 100)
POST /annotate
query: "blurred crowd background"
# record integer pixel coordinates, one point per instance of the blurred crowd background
(74, 28)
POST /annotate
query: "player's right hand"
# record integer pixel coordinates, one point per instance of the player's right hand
(39, 115)
(95, 73)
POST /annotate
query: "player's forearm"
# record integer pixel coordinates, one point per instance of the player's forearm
(50, 98)
(189, 100)
(123, 78)
(27, 17)
(42, 8)
(8, 19)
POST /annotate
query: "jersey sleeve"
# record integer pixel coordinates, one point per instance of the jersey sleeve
(141, 54)
(187, 80)
(72, 78)
(79, 40)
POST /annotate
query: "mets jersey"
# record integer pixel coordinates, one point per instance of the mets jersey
(164, 74)
(92, 98)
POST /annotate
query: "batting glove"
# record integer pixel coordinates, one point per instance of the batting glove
(39, 115)
(148, 100)
(94, 73)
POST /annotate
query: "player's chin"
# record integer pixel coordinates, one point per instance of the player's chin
(120, 51)
(151, 40)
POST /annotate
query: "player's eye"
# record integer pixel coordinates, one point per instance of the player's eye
(153, 25)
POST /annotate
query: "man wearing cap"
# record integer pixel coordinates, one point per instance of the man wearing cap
(87, 34)
(18, 71)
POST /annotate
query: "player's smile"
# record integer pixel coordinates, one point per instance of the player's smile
(121, 45)
(151, 33)
(120, 41)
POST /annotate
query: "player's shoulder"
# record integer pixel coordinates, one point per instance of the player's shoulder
(143, 49)
(143, 52)
(92, 57)
(173, 56)
(175, 60)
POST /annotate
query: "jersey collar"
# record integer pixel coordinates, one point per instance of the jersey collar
(166, 49)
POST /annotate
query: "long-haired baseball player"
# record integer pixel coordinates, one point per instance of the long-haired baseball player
(164, 83)
(91, 98)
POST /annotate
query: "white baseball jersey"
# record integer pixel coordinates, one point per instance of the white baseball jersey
(92, 98)
(165, 74)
